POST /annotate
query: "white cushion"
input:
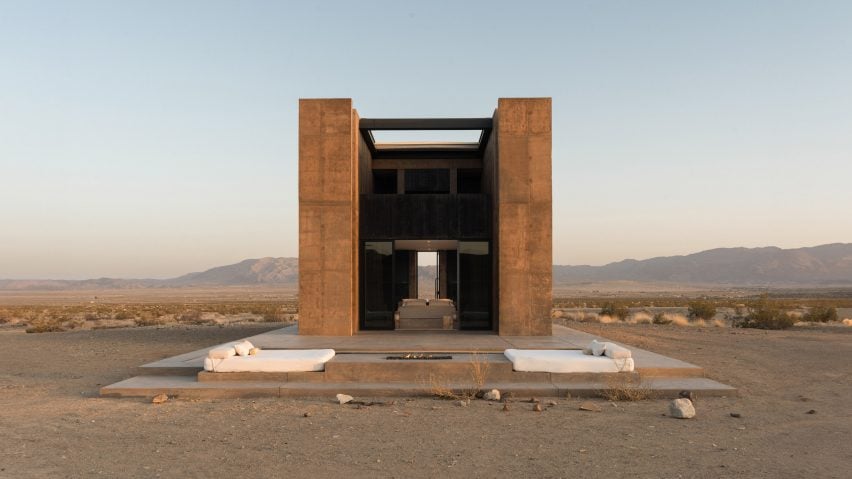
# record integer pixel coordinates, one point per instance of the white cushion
(598, 348)
(274, 361)
(559, 361)
(222, 353)
(243, 348)
(615, 351)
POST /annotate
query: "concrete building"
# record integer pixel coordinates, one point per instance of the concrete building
(367, 208)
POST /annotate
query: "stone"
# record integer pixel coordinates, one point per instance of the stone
(551, 403)
(681, 408)
(688, 395)
(307, 414)
(492, 395)
(505, 407)
(736, 414)
(537, 407)
(464, 402)
(812, 411)
(590, 406)
(344, 398)
(160, 399)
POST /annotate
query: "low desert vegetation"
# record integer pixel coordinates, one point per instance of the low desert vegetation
(52, 318)
(615, 310)
(701, 309)
(820, 314)
(766, 314)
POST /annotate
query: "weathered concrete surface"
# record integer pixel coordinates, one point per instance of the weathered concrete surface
(524, 226)
(328, 217)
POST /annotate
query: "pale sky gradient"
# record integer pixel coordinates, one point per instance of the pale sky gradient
(150, 139)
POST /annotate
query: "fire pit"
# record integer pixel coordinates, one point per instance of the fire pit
(418, 356)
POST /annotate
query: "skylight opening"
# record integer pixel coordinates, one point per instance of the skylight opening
(426, 136)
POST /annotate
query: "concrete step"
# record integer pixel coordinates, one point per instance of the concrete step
(188, 387)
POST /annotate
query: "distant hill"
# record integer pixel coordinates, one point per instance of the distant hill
(250, 271)
(829, 264)
(826, 265)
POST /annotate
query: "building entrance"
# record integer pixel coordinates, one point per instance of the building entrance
(402, 290)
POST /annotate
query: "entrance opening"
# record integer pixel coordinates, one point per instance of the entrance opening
(428, 285)
(416, 284)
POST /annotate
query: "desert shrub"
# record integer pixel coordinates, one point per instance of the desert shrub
(192, 316)
(821, 314)
(123, 315)
(45, 325)
(764, 314)
(149, 319)
(614, 310)
(661, 318)
(701, 310)
(624, 387)
(640, 317)
(91, 317)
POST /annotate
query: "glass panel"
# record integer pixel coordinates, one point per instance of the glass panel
(474, 285)
(378, 285)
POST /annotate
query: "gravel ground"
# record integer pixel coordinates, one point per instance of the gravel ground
(52, 424)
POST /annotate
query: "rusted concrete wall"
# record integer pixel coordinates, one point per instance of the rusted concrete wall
(524, 227)
(328, 217)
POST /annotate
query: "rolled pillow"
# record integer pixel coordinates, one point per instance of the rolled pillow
(615, 351)
(222, 353)
(243, 348)
(254, 351)
(597, 347)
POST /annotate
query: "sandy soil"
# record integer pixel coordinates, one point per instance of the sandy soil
(52, 424)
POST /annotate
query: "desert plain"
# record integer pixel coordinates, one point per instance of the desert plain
(793, 414)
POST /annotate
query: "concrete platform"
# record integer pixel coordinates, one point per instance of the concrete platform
(361, 368)
(188, 388)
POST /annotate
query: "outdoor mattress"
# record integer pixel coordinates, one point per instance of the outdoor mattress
(272, 361)
(565, 361)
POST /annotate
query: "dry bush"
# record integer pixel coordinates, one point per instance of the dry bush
(821, 314)
(678, 319)
(556, 314)
(640, 317)
(146, 318)
(846, 322)
(45, 325)
(123, 314)
(437, 387)
(604, 319)
(719, 323)
(661, 318)
(624, 387)
(478, 371)
(616, 310)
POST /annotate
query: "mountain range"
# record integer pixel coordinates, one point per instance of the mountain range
(825, 265)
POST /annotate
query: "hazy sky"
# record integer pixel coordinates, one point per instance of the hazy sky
(149, 139)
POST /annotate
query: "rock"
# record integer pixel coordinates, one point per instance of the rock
(492, 395)
(551, 403)
(464, 402)
(736, 414)
(590, 406)
(344, 398)
(307, 414)
(812, 411)
(505, 407)
(688, 395)
(681, 408)
(160, 399)
(537, 407)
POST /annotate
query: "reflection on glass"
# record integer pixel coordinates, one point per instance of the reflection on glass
(474, 284)
(378, 284)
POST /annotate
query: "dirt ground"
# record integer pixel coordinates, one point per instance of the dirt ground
(52, 424)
